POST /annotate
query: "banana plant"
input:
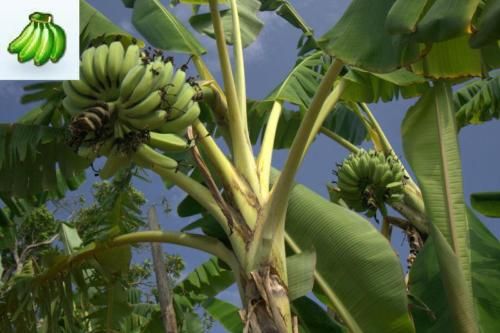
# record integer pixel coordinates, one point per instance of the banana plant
(134, 107)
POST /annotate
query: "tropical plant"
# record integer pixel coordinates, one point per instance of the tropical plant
(276, 240)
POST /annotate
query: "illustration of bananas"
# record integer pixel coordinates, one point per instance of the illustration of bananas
(41, 40)
(368, 179)
(134, 99)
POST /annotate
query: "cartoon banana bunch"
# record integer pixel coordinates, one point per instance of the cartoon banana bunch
(41, 41)
(367, 179)
(132, 103)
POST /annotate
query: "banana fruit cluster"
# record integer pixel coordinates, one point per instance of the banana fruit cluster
(148, 105)
(40, 41)
(367, 179)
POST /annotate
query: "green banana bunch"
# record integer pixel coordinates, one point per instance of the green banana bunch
(368, 179)
(140, 103)
(41, 40)
(145, 93)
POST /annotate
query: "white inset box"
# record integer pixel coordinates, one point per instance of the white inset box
(63, 13)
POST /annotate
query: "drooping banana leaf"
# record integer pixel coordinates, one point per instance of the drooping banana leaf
(298, 88)
(162, 29)
(301, 83)
(488, 25)
(250, 24)
(36, 159)
(477, 102)
(225, 313)
(360, 39)
(486, 203)
(94, 24)
(450, 59)
(362, 86)
(205, 282)
(356, 265)
(444, 19)
(426, 283)
(431, 146)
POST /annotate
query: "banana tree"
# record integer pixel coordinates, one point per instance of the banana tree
(133, 107)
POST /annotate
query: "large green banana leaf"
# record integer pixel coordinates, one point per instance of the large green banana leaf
(426, 283)
(356, 265)
(250, 24)
(360, 39)
(362, 86)
(162, 29)
(381, 36)
(94, 24)
(431, 146)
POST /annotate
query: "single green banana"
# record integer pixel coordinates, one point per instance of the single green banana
(59, 46)
(143, 87)
(181, 123)
(29, 50)
(81, 87)
(46, 44)
(342, 176)
(148, 105)
(178, 82)
(131, 59)
(116, 161)
(346, 186)
(363, 165)
(168, 142)
(387, 177)
(116, 56)
(151, 121)
(147, 157)
(167, 70)
(20, 42)
(81, 101)
(130, 81)
(100, 65)
(379, 172)
(173, 88)
(372, 164)
(70, 107)
(183, 99)
(87, 69)
(347, 170)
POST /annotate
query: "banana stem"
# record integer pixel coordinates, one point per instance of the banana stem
(199, 242)
(327, 107)
(340, 140)
(41, 17)
(199, 192)
(277, 205)
(241, 147)
(264, 160)
(232, 181)
(239, 63)
(385, 145)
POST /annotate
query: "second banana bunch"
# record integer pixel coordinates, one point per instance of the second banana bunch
(41, 40)
(130, 105)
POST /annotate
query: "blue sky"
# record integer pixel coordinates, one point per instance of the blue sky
(268, 61)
